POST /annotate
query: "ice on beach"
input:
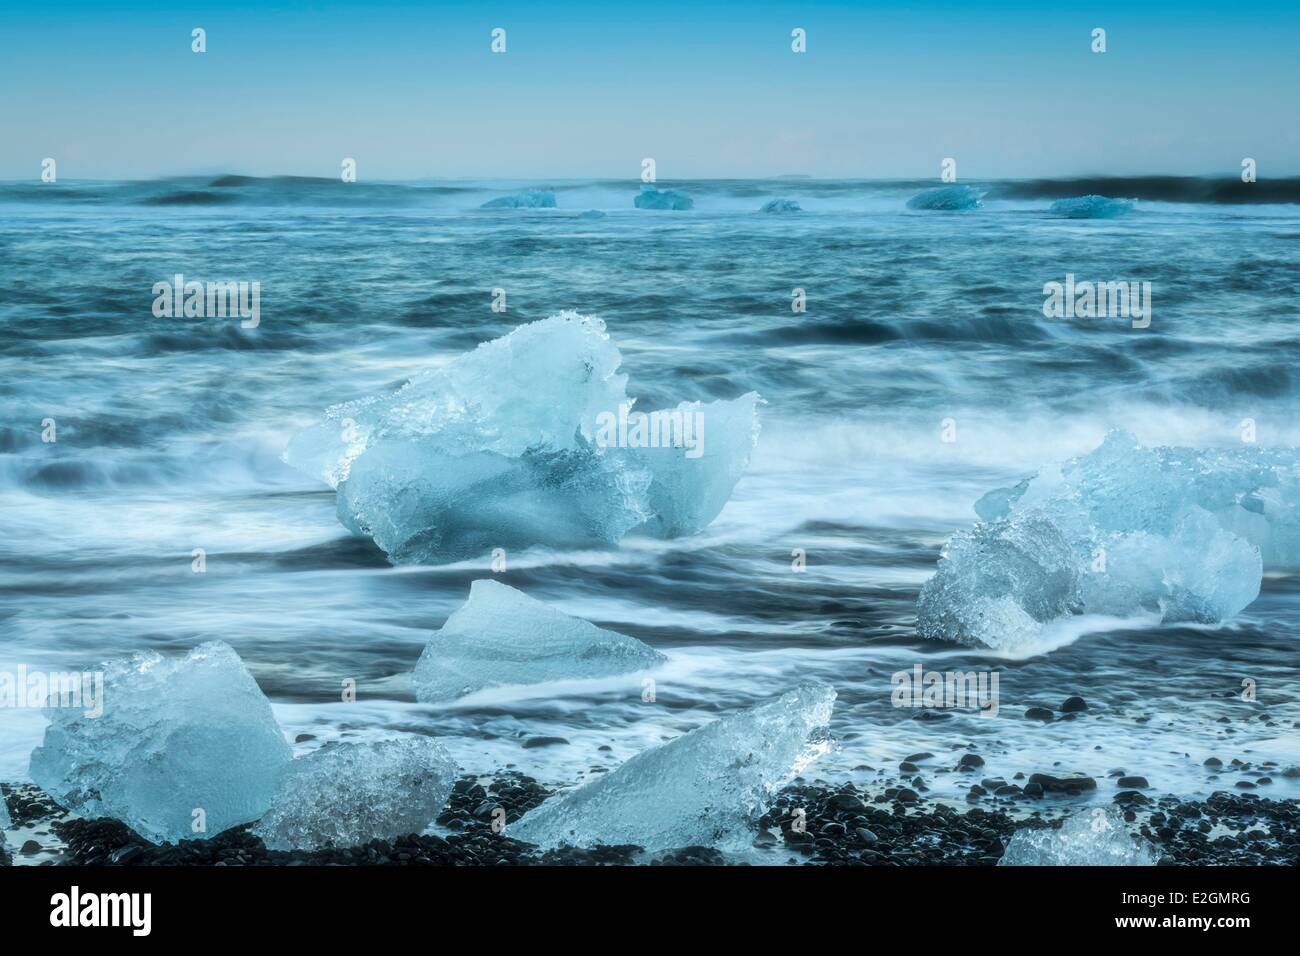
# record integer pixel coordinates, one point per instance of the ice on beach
(185, 747)
(501, 636)
(1091, 207)
(5, 821)
(1185, 533)
(781, 205)
(506, 447)
(528, 199)
(651, 198)
(946, 198)
(704, 788)
(347, 794)
(1097, 836)
(998, 583)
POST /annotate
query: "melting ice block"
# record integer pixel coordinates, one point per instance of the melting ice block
(177, 735)
(651, 198)
(347, 794)
(502, 636)
(1091, 207)
(1094, 837)
(1181, 532)
(704, 788)
(781, 205)
(507, 446)
(946, 198)
(528, 199)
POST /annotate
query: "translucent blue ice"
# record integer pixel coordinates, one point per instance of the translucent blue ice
(1185, 533)
(186, 747)
(502, 636)
(505, 447)
(347, 794)
(946, 198)
(1097, 836)
(707, 787)
(651, 198)
(781, 205)
(528, 199)
(1091, 207)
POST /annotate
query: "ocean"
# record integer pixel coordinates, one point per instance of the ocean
(922, 374)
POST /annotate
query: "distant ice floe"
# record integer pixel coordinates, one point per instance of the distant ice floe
(177, 737)
(501, 636)
(651, 198)
(950, 198)
(1091, 207)
(704, 788)
(347, 794)
(1180, 532)
(1097, 836)
(510, 446)
(781, 206)
(528, 199)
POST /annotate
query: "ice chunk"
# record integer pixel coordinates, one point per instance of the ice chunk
(946, 198)
(347, 794)
(706, 787)
(5, 821)
(1097, 836)
(502, 636)
(1181, 532)
(177, 736)
(998, 583)
(528, 199)
(499, 449)
(591, 214)
(1091, 207)
(651, 198)
(781, 205)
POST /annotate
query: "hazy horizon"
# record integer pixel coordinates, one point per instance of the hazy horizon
(1009, 91)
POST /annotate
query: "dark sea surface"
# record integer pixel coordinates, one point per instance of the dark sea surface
(170, 432)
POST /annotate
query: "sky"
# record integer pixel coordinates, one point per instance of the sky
(410, 91)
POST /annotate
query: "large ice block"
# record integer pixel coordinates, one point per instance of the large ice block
(946, 198)
(502, 448)
(502, 636)
(1180, 532)
(1091, 207)
(347, 794)
(1096, 836)
(704, 788)
(528, 199)
(186, 747)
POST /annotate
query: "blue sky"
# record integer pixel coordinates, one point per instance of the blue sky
(587, 89)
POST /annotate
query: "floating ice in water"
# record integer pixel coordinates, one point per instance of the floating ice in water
(1094, 837)
(651, 198)
(591, 214)
(946, 198)
(704, 788)
(781, 205)
(502, 448)
(1182, 532)
(502, 636)
(528, 199)
(181, 742)
(347, 794)
(1091, 207)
